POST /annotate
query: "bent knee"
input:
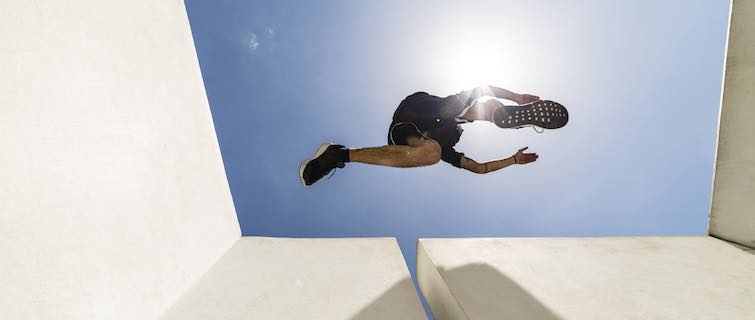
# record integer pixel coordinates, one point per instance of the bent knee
(430, 152)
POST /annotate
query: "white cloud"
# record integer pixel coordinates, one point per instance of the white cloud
(270, 31)
(253, 42)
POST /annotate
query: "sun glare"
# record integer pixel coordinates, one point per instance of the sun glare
(469, 59)
(479, 60)
(472, 62)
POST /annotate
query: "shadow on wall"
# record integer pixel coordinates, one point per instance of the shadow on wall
(739, 246)
(391, 304)
(485, 293)
(482, 291)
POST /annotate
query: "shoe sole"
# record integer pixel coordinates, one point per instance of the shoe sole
(304, 163)
(543, 114)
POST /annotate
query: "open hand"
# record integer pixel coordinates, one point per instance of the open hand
(522, 158)
(526, 98)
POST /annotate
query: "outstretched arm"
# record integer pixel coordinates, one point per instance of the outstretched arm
(519, 158)
(503, 94)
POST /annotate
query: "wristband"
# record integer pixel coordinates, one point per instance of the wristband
(515, 162)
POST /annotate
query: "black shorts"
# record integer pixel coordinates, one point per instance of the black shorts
(421, 115)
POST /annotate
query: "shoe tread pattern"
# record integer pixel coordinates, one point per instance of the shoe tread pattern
(544, 114)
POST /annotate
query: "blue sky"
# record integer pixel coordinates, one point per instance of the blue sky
(641, 80)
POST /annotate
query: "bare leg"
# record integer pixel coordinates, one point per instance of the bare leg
(482, 110)
(419, 152)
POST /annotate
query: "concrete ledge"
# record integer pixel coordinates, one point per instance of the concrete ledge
(284, 278)
(586, 278)
(113, 196)
(732, 206)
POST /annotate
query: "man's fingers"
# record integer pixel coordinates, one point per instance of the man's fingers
(525, 157)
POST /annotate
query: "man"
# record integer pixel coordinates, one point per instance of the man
(425, 129)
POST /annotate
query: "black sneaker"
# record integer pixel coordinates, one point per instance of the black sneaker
(320, 164)
(544, 114)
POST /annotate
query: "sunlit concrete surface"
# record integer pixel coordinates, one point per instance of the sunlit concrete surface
(586, 278)
(284, 278)
(113, 197)
(733, 208)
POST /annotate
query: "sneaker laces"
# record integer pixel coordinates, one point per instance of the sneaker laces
(339, 165)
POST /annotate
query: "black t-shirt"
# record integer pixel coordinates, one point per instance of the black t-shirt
(432, 117)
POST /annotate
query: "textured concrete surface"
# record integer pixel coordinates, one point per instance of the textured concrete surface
(586, 278)
(113, 197)
(733, 207)
(284, 278)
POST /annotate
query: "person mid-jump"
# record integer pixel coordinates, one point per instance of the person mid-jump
(425, 129)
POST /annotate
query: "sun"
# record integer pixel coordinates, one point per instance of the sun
(472, 61)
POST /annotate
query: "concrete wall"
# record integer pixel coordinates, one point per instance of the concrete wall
(733, 207)
(113, 197)
(280, 278)
(586, 278)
